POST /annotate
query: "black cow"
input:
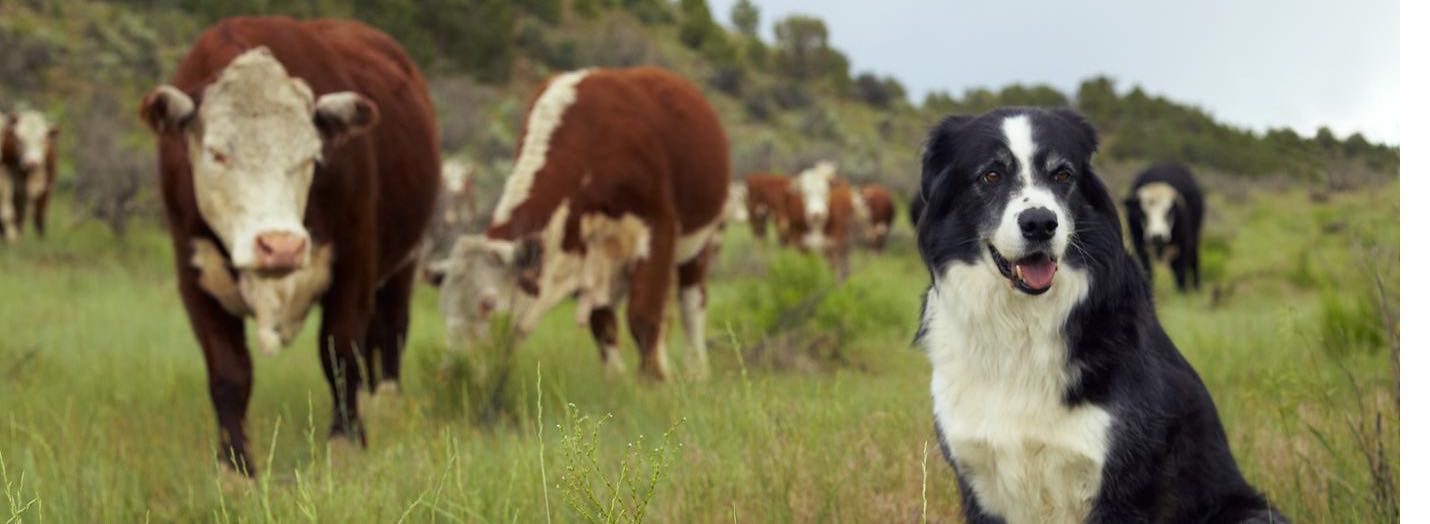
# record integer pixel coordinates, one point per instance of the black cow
(1164, 212)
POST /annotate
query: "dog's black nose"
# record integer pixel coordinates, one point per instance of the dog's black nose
(1038, 224)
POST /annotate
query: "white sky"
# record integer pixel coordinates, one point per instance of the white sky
(1252, 63)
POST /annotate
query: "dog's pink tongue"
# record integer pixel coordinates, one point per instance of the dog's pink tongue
(1038, 274)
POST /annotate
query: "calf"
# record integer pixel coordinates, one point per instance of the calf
(620, 182)
(299, 166)
(27, 151)
(1164, 216)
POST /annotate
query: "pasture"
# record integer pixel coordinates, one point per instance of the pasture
(817, 408)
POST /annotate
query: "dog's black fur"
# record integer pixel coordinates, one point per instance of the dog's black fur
(1168, 458)
(1187, 214)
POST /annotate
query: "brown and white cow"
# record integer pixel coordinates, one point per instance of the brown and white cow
(765, 195)
(874, 212)
(299, 166)
(27, 152)
(619, 183)
(820, 207)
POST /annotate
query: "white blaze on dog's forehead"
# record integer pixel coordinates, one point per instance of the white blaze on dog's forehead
(541, 125)
(253, 152)
(32, 131)
(1018, 133)
(1156, 200)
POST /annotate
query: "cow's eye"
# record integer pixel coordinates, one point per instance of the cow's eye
(1062, 175)
(992, 177)
(218, 157)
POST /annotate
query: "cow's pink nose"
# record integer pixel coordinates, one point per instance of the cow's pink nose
(280, 251)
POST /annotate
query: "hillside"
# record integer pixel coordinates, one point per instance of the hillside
(784, 103)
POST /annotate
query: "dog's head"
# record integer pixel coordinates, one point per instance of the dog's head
(1014, 190)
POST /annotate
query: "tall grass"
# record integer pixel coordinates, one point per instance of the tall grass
(104, 414)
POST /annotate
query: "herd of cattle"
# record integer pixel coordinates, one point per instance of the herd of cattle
(299, 166)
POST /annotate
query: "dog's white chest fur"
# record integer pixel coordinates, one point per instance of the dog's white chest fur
(999, 372)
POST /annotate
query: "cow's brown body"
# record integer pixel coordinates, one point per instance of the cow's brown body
(371, 199)
(765, 195)
(879, 211)
(642, 143)
(30, 189)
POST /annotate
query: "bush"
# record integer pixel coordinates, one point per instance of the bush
(818, 124)
(791, 95)
(110, 171)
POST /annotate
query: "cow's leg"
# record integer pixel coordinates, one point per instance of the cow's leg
(230, 372)
(650, 283)
(42, 202)
(607, 334)
(691, 277)
(758, 223)
(346, 313)
(387, 331)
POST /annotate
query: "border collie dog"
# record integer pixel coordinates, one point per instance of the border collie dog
(1057, 397)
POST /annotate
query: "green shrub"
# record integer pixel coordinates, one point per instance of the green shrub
(1349, 320)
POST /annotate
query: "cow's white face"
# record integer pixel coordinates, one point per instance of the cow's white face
(1157, 200)
(33, 137)
(480, 283)
(814, 186)
(253, 146)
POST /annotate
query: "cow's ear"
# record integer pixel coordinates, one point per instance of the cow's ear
(344, 115)
(526, 260)
(166, 109)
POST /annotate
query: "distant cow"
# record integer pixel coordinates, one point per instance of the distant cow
(821, 212)
(765, 195)
(27, 150)
(459, 195)
(875, 210)
(1164, 214)
(619, 183)
(299, 165)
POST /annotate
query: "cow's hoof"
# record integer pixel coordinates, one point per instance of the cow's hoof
(385, 401)
(614, 366)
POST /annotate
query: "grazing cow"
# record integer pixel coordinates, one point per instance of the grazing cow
(299, 166)
(820, 206)
(620, 182)
(1164, 216)
(765, 197)
(27, 150)
(874, 209)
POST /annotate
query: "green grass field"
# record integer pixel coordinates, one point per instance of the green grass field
(819, 415)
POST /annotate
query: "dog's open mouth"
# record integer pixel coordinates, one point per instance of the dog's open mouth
(1032, 274)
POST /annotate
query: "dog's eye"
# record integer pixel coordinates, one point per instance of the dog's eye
(1062, 175)
(992, 177)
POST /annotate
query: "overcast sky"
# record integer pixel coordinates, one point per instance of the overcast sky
(1253, 63)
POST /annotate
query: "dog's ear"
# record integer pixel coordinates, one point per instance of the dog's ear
(1083, 126)
(939, 150)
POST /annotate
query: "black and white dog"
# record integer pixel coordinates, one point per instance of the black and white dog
(1057, 397)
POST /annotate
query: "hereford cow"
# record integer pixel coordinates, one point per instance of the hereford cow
(821, 213)
(27, 150)
(875, 211)
(619, 183)
(765, 195)
(299, 166)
